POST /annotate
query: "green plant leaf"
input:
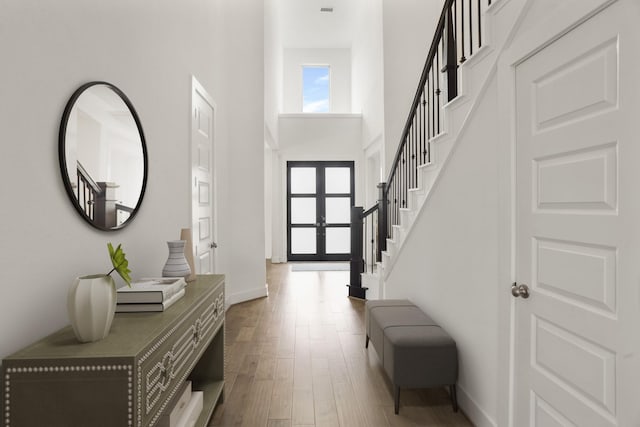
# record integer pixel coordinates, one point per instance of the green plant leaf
(120, 263)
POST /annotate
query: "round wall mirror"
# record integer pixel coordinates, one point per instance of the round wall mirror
(103, 155)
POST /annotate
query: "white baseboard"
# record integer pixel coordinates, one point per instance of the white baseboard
(243, 296)
(478, 417)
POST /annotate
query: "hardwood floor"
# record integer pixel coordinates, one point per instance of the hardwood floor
(297, 358)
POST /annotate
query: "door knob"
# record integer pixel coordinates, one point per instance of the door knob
(213, 245)
(521, 290)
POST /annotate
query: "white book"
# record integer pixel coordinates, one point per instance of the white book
(193, 410)
(159, 306)
(172, 418)
(150, 290)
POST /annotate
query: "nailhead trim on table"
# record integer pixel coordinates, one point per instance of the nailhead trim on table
(61, 369)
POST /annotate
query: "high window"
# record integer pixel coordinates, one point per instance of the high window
(315, 88)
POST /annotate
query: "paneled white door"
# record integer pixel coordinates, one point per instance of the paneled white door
(578, 226)
(202, 179)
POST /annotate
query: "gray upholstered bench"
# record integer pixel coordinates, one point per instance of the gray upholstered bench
(415, 351)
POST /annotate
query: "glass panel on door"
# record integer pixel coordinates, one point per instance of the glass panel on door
(303, 210)
(338, 210)
(303, 180)
(338, 180)
(338, 240)
(303, 241)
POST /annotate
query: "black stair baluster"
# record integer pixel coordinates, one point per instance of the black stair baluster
(470, 28)
(433, 102)
(406, 177)
(462, 58)
(383, 213)
(416, 144)
(414, 163)
(479, 26)
(423, 152)
(393, 201)
(364, 243)
(400, 185)
(450, 57)
(419, 138)
(397, 201)
(429, 108)
(438, 92)
(422, 139)
(410, 156)
(410, 153)
(408, 172)
(372, 242)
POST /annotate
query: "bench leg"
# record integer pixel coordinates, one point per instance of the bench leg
(396, 397)
(454, 397)
(366, 342)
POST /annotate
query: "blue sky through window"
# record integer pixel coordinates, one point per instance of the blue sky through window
(315, 89)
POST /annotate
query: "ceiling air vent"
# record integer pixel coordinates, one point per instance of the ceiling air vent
(326, 9)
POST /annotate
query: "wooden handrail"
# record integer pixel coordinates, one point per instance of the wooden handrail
(87, 178)
(87, 191)
(371, 210)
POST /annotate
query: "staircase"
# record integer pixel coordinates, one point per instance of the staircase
(461, 62)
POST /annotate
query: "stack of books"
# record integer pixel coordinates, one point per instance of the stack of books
(156, 294)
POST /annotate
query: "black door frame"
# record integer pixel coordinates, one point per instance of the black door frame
(320, 195)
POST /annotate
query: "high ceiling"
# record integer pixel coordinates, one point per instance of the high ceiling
(305, 26)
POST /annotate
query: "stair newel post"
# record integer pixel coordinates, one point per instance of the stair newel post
(382, 220)
(357, 251)
(451, 56)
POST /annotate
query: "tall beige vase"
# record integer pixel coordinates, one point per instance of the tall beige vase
(91, 304)
(185, 234)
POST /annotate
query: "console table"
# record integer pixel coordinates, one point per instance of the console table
(130, 378)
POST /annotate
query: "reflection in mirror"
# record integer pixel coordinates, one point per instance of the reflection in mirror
(103, 155)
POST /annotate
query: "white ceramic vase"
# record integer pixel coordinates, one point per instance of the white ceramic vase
(91, 304)
(176, 265)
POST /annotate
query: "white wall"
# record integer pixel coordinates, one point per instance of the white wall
(368, 90)
(408, 28)
(241, 84)
(373, 174)
(150, 53)
(273, 69)
(339, 61)
(273, 93)
(367, 63)
(313, 137)
(449, 263)
(268, 202)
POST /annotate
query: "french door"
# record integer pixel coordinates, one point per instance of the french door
(319, 200)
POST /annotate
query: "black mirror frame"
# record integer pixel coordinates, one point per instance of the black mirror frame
(63, 161)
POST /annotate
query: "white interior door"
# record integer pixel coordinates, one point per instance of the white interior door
(202, 180)
(578, 227)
